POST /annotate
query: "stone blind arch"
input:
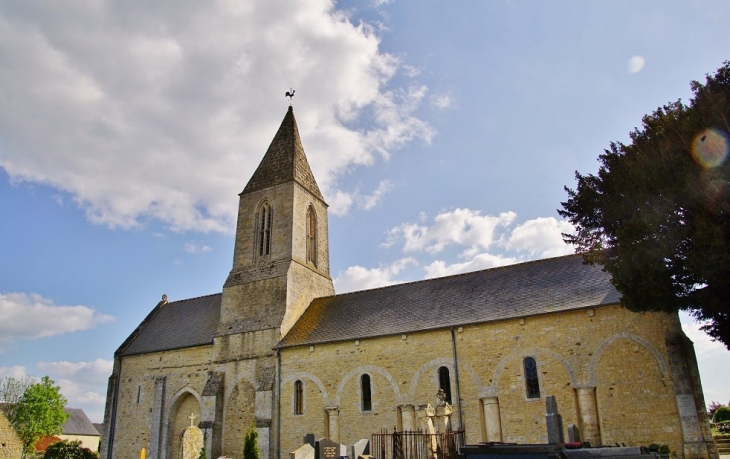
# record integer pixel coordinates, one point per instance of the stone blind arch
(366, 369)
(300, 375)
(231, 387)
(167, 423)
(491, 390)
(175, 398)
(435, 363)
(624, 335)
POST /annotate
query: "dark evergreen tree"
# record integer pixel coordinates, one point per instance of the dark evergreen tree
(657, 214)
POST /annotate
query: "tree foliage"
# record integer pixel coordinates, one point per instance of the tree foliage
(251, 444)
(68, 450)
(721, 414)
(657, 214)
(11, 391)
(39, 413)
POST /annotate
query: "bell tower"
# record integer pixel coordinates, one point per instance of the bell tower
(281, 255)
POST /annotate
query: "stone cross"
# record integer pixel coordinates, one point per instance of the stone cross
(192, 418)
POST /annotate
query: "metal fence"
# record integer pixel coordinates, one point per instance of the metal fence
(416, 445)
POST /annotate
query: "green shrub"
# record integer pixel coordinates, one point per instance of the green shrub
(68, 450)
(721, 414)
(251, 444)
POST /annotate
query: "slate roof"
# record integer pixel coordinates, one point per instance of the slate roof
(284, 161)
(175, 325)
(526, 289)
(78, 423)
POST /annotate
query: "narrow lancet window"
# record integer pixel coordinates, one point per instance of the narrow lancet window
(311, 236)
(298, 398)
(532, 384)
(264, 230)
(445, 383)
(367, 401)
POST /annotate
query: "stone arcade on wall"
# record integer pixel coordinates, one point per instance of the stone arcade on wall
(280, 352)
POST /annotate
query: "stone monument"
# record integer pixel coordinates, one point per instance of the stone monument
(192, 440)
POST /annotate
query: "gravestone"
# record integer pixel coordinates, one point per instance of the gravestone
(309, 438)
(306, 451)
(360, 448)
(328, 449)
(554, 422)
(573, 433)
(192, 440)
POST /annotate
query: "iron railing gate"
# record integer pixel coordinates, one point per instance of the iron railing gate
(416, 445)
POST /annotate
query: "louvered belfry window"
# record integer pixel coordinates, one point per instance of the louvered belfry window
(532, 383)
(311, 236)
(265, 230)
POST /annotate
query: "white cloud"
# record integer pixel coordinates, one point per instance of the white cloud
(462, 227)
(636, 63)
(411, 71)
(441, 102)
(173, 124)
(13, 372)
(439, 268)
(370, 201)
(359, 278)
(541, 237)
(32, 316)
(192, 247)
(97, 370)
(485, 241)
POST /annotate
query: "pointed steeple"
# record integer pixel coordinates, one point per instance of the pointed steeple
(284, 161)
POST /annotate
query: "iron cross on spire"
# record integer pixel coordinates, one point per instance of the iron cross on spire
(289, 94)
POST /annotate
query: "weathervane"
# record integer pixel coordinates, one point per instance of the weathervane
(289, 94)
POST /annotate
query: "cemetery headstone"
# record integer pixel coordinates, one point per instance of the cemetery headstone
(360, 448)
(309, 438)
(554, 422)
(306, 451)
(329, 449)
(573, 433)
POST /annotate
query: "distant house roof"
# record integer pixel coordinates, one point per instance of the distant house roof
(78, 423)
(526, 289)
(175, 325)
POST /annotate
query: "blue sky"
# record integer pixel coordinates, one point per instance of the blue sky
(441, 133)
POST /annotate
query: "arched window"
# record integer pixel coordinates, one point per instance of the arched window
(264, 230)
(298, 397)
(532, 384)
(311, 236)
(367, 401)
(445, 383)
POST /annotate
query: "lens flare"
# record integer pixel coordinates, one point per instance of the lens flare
(710, 148)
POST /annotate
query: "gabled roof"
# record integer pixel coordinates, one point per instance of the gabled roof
(521, 290)
(175, 325)
(78, 423)
(284, 161)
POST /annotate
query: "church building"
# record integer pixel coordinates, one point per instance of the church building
(277, 350)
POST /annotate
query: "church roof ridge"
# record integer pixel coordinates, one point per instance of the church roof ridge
(284, 161)
(506, 292)
(466, 273)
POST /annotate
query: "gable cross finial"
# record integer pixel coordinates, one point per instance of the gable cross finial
(289, 94)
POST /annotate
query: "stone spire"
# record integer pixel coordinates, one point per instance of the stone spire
(284, 161)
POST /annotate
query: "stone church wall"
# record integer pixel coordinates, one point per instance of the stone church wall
(137, 414)
(614, 359)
